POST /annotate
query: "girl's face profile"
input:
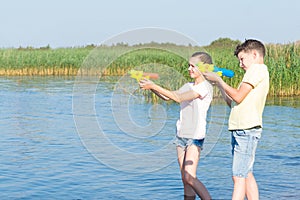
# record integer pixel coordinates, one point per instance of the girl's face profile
(193, 69)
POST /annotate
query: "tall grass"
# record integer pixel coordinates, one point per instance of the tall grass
(283, 62)
(284, 69)
(29, 62)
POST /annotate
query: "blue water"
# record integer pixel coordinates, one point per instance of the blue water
(46, 154)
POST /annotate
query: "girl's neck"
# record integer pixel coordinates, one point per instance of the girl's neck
(199, 79)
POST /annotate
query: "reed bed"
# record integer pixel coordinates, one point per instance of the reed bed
(41, 62)
(283, 62)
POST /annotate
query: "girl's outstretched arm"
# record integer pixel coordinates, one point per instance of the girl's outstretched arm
(160, 95)
(167, 94)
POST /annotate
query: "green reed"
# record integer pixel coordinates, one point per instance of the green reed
(283, 62)
(63, 61)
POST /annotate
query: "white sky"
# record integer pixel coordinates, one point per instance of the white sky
(69, 23)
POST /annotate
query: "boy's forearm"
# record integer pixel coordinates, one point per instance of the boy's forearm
(237, 95)
(226, 98)
(228, 92)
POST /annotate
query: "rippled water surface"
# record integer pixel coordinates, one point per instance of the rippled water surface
(44, 156)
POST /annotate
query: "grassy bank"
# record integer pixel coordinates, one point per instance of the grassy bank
(283, 62)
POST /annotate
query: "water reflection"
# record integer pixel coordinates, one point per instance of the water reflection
(284, 101)
(42, 157)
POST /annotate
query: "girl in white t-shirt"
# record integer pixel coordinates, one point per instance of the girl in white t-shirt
(194, 99)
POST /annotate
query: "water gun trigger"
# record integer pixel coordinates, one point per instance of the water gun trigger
(219, 73)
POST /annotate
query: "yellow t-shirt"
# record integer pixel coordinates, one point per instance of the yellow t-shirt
(249, 112)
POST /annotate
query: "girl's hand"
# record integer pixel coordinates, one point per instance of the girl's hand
(146, 84)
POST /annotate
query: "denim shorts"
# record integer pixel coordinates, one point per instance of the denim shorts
(244, 143)
(185, 142)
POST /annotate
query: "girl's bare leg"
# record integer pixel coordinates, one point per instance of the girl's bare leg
(189, 193)
(188, 169)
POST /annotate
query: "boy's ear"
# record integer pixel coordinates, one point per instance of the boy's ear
(255, 54)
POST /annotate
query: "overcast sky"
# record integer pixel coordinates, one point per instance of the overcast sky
(69, 23)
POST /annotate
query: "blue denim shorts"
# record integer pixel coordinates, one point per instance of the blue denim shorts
(185, 142)
(244, 143)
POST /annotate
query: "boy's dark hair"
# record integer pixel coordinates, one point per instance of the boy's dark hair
(249, 45)
(204, 57)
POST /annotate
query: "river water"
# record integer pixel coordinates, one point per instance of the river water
(55, 145)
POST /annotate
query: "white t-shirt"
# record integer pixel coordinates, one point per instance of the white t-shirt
(192, 121)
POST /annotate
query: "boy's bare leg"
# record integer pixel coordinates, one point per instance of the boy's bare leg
(251, 187)
(245, 186)
(239, 189)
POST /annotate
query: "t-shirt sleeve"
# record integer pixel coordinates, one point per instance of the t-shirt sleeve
(202, 89)
(255, 75)
(186, 87)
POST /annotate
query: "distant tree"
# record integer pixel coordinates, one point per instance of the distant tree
(224, 42)
(90, 46)
(46, 47)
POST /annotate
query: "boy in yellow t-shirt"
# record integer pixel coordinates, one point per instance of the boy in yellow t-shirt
(245, 121)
